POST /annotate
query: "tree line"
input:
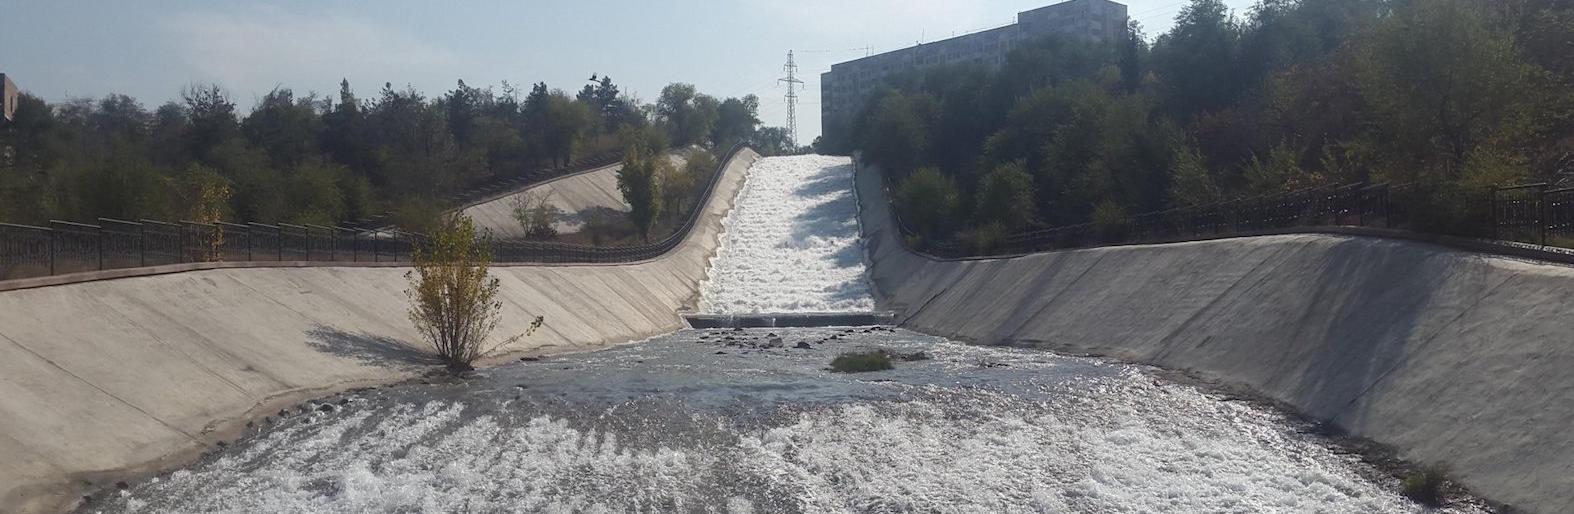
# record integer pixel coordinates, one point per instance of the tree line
(1453, 96)
(328, 159)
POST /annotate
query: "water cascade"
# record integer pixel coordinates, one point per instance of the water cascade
(751, 421)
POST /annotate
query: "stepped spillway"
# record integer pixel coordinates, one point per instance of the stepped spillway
(791, 243)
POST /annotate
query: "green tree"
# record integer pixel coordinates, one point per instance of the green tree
(1006, 198)
(568, 122)
(736, 120)
(535, 214)
(286, 129)
(640, 182)
(1191, 183)
(454, 302)
(606, 102)
(897, 137)
(1197, 59)
(688, 113)
(213, 120)
(771, 141)
(928, 200)
(1442, 81)
(682, 187)
(344, 135)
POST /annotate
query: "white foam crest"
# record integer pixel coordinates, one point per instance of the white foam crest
(1115, 442)
(791, 243)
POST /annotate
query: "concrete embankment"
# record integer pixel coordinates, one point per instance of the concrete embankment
(98, 378)
(578, 196)
(1447, 356)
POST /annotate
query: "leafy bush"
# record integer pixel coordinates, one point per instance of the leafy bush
(927, 200)
(535, 215)
(861, 362)
(453, 300)
(1111, 221)
(1425, 486)
(640, 182)
(1006, 196)
(986, 239)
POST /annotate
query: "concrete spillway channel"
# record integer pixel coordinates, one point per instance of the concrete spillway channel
(749, 420)
(722, 419)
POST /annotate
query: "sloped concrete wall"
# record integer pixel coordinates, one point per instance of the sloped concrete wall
(577, 195)
(142, 372)
(1446, 355)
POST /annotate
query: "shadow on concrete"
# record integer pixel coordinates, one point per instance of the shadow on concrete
(369, 349)
(1381, 293)
(583, 216)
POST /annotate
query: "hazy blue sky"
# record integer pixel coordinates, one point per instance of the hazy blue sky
(149, 49)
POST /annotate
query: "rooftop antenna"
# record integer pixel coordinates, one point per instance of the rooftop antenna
(792, 98)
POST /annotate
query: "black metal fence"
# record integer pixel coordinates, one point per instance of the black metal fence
(1535, 214)
(67, 247)
(503, 186)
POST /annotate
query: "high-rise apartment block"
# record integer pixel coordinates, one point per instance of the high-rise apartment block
(844, 89)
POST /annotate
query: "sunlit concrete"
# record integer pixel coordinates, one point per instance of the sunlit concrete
(577, 196)
(144, 372)
(1448, 356)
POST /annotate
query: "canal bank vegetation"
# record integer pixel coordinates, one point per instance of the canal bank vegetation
(454, 301)
(873, 360)
(1452, 96)
(861, 362)
(330, 159)
(1427, 485)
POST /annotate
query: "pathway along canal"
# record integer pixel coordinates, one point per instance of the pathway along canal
(751, 421)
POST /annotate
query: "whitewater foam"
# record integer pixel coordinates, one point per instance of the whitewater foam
(1029, 432)
(791, 244)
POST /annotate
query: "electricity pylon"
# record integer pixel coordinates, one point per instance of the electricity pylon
(792, 98)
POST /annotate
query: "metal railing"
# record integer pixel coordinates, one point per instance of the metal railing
(68, 247)
(503, 186)
(1534, 214)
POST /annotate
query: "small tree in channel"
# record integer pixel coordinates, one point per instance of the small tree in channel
(453, 299)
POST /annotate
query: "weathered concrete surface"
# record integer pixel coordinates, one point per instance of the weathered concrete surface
(141, 372)
(576, 195)
(1446, 355)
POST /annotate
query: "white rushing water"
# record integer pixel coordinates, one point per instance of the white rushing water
(973, 430)
(791, 242)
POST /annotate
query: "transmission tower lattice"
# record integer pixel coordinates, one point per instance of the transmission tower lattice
(792, 98)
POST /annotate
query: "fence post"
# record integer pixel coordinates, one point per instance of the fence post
(1541, 216)
(1497, 220)
(54, 240)
(1388, 210)
(100, 247)
(278, 240)
(142, 244)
